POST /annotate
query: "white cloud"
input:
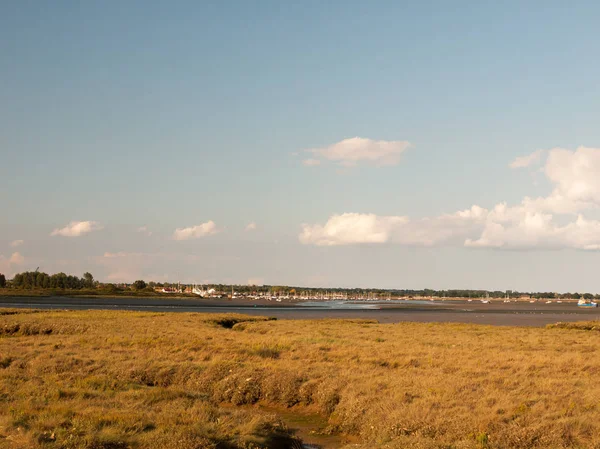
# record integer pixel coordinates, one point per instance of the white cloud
(540, 231)
(16, 259)
(443, 229)
(195, 232)
(551, 222)
(526, 161)
(533, 229)
(144, 230)
(351, 228)
(502, 227)
(351, 152)
(16, 243)
(250, 226)
(576, 174)
(582, 234)
(77, 228)
(9, 266)
(556, 203)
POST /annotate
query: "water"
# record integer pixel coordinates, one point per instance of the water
(497, 313)
(367, 304)
(308, 427)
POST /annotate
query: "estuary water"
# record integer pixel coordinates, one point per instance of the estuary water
(495, 313)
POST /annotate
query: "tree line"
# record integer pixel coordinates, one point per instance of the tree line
(41, 280)
(38, 279)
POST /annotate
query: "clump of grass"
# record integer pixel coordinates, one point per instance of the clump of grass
(482, 439)
(582, 326)
(266, 351)
(31, 327)
(107, 441)
(9, 311)
(5, 362)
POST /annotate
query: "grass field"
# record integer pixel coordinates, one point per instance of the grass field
(97, 379)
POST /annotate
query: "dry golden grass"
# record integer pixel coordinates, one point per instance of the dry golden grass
(95, 379)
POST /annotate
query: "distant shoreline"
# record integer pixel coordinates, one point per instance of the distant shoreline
(50, 293)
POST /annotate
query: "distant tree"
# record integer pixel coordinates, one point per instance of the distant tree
(110, 288)
(18, 280)
(58, 280)
(139, 285)
(88, 279)
(2, 280)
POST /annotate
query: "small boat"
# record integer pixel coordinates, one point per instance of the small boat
(586, 303)
(199, 291)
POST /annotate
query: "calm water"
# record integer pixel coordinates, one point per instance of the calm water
(364, 304)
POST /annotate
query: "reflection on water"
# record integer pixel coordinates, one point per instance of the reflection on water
(339, 305)
(345, 304)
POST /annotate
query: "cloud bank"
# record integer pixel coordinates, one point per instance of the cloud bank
(16, 243)
(196, 232)
(552, 222)
(358, 150)
(77, 229)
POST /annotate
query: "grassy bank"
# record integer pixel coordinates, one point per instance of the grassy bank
(97, 379)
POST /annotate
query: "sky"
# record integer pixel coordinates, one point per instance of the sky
(342, 143)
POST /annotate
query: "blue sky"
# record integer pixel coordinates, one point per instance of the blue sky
(171, 115)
